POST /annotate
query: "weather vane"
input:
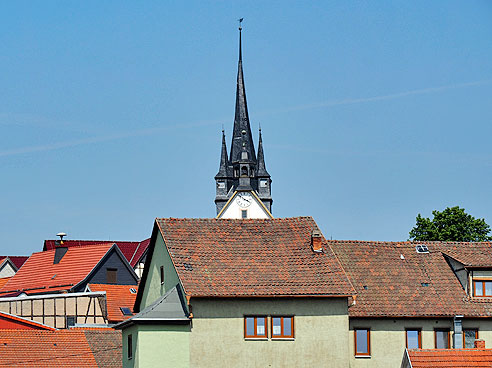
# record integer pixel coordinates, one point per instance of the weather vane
(240, 21)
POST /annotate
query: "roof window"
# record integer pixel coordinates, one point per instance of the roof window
(422, 248)
(126, 311)
(133, 290)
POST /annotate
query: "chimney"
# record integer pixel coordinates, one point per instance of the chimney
(479, 344)
(316, 241)
(60, 250)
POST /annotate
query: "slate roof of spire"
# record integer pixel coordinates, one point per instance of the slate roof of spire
(251, 257)
(224, 161)
(393, 280)
(241, 119)
(262, 171)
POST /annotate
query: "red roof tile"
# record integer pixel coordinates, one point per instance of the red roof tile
(117, 296)
(133, 251)
(392, 279)
(273, 257)
(39, 274)
(456, 358)
(36, 348)
(11, 322)
(18, 261)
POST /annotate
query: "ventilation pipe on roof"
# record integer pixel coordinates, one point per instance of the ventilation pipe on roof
(458, 333)
(316, 241)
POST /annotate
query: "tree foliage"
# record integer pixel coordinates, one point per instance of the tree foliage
(452, 224)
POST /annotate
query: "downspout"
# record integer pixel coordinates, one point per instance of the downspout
(458, 332)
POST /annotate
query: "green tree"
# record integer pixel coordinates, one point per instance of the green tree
(452, 224)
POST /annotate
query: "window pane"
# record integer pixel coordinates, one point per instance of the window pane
(260, 326)
(250, 326)
(276, 326)
(488, 288)
(441, 339)
(478, 288)
(413, 339)
(361, 339)
(287, 326)
(469, 338)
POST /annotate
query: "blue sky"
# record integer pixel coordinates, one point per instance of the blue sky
(371, 112)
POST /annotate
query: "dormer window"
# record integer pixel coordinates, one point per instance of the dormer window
(482, 288)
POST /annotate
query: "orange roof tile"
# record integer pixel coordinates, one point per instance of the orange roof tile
(233, 258)
(39, 274)
(36, 348)
(456, 358)
(4, 280)
(12, 322)
(117, 296)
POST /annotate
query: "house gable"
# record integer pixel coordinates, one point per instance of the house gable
(115, 260)
(150, 287)
(7, 268)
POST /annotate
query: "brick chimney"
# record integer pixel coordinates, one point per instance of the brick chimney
(479, 344)
(316, 241)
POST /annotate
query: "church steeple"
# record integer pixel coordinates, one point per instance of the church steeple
(242, 178)
(242, 147)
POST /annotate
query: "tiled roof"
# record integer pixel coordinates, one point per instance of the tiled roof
(36, 348)
(12, 322)
(18, 261)
(456, 358)
(272, 257)
(392, 279)
(106, 345)
(3, 281)
(39, 274)
(117, 296)
(132, 251)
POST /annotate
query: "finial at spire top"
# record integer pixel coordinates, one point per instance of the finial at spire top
(240, 47)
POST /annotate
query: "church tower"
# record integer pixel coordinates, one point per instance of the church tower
(243, 185)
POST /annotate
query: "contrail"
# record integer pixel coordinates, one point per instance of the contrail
(392, 96)
(89, 140)
(144, 132)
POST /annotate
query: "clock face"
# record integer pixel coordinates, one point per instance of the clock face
(244, 199)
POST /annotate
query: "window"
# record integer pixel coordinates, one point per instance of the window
(282, 327)
(362, 342)
(244, 214)
(129, 352)
(126, 311)
(469, 337)
(413, 338)
(162, 274)
(482, 288)
(255, 327)
(111, 275)
(70, 321)
(441, 338)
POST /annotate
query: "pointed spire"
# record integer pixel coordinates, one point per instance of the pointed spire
(261, 159)
(242, 139)
(224, 162)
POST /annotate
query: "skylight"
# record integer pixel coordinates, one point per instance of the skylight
(422, 248)
(126, 311)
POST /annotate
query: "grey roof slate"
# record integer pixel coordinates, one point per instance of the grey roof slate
(169, 307)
